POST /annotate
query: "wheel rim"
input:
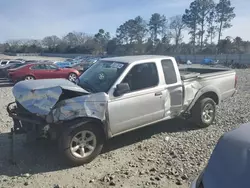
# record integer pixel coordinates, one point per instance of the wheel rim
(29, 78)
(208, 113)
(72, 77)
(83, 144)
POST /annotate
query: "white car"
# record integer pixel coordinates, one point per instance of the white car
(6, 62)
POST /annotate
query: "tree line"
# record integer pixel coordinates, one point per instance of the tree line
(204, 20)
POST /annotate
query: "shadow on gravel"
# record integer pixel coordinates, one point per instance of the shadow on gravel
(169, 126)
(4, 82)
(43, 156)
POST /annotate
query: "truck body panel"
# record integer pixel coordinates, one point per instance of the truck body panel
(173, 94)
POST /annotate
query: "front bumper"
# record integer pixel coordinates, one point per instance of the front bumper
(22, 120)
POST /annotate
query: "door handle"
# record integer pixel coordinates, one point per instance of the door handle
(158, 93)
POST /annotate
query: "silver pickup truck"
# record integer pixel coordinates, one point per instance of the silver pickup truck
(114, 96)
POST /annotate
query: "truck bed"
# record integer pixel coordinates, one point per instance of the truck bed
(196, 71)
(195, 77)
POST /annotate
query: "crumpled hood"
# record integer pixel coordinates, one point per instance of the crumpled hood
(93, 105)
(229, 165)
(40, 96)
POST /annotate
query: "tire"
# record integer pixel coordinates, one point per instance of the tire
(72, 77)
(29, 77)
(203, 112)
(69, 146)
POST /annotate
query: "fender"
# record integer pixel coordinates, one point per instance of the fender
(206, 91)
(70, 125)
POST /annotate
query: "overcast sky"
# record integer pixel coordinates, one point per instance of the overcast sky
(22, 19)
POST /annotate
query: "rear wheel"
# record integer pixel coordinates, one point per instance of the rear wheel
(29, 77)
(203, 112)
(83, 144)
(72, 77)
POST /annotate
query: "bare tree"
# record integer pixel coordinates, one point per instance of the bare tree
(176, 26)
(51, 41)
(224, 15)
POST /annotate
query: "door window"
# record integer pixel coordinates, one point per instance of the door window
(38, 67)
(51, 67)
(142, 76)
(169, 71)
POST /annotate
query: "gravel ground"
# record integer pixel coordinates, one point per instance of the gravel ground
(168, 154)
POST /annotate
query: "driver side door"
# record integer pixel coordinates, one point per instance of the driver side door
(144, 103)
(54, 71)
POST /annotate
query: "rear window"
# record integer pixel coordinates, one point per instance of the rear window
(18, 67)
(12, 62)
(169, 71)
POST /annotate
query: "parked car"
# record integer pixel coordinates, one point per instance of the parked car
(4, 69)
(80, 59)
(6, 62)
(63, 64)
(42, 71)
(83, 66)
(228, 166)
(117, 95)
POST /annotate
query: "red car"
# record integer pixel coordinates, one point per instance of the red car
(42, 71)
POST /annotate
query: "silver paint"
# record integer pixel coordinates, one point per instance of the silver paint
(92, 105)
(129, 111)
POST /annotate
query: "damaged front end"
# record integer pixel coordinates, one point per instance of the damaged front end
(40, 104)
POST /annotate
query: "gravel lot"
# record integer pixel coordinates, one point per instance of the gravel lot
(168, 154)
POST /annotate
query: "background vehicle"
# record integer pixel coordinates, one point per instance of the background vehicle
(64, 64)
(117, 95)
(83, 66)
(41, 71)
(228, 164)
(4, 69)
(6, 62)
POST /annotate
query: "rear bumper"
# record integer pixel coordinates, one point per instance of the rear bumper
(13, 78)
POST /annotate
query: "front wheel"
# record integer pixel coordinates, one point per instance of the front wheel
(203, 112)
(83, 144)
(72, 77)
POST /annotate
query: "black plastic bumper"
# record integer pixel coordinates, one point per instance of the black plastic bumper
(22, 120)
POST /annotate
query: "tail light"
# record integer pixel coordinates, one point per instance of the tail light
(235, 81)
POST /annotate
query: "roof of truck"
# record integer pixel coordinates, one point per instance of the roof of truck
(131, 59)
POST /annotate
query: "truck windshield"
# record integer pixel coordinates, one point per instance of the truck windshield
(101, 76)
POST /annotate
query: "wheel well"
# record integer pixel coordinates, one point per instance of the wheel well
(72, 73)
(211, 95)
(29, 75)
(72, 124)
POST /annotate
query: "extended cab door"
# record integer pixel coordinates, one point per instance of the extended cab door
(173, 88)
(142, 105)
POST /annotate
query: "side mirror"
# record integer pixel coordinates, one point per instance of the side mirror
(121, 89)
